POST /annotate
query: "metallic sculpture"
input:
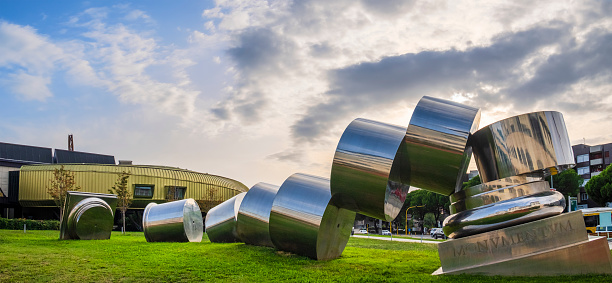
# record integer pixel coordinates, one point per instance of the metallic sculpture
(366, 174)
(253, 220)
(305, 221)
(437, 144)
(221, 221)
(87, 216)
(176, 221)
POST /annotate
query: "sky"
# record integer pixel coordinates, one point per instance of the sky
(258, 90)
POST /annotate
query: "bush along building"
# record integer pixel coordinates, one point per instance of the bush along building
(590, 161)
(26, 172)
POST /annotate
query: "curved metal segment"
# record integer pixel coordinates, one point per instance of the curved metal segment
(303, 220)
(221, 221)
(87, 216)
(437, 144)
(527, 143)
(177, 221)
(503, 214)
(366, 174)
(495, 185)
(497, 195)
(253, 220)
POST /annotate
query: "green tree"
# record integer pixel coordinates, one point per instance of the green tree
(567, 182)
(599, 188)
(61, 183)
(124, 197)
(471, 182)
(429, 220)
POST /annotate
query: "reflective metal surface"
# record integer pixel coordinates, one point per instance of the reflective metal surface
(176, 221)
(522, 144)
(551, 246)
(437, 144)
(497, 195)
(253, 220)
(494, 185)
(366, 174)
(503, 214)
(305, 221)
(221, 221)
(87, 216)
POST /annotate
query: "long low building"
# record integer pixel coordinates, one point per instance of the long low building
(148, 183)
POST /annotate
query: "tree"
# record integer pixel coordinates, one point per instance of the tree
(599, 188)
(471, 182)
(567, 182)
(429, 221)
(210, 200)
(124, 197)
(61, 183)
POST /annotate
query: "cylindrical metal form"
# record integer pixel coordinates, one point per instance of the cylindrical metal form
(504, 214)
(366, 174)
(221, 221)
(87, 216)
(304, 220)
(253, 220)
(437, 144)
(497, 195)
(90, 219)
(177, 221)
(527, 143)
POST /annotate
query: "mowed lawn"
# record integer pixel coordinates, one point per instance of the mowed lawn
(40, 256)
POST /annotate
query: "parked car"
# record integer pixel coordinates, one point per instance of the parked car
(362, 231)
(434, 230)
(386, 232)
(438, 234)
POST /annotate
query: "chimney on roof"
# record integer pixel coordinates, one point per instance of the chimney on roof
(70, 143)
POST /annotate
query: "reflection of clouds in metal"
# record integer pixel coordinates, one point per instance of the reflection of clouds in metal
(87, 216)
(253, 220)
(497, 195)
(221, 221)
(528, 143)
(437, 144)
(304, 221)
(366, 174)
(177, 221)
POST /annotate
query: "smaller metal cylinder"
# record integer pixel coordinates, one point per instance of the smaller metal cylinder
(253, 220)
(177, 221)
(221, 221)
(87, 216)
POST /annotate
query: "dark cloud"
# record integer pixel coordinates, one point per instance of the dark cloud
(408, 77)
(388, 7)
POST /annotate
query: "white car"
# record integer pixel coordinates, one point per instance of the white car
(435, 231)
(386, 232)
(362, 231)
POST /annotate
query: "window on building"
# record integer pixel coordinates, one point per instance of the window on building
(175, 193)
(585, 182)
(584, 196)
(583, 170)
(582, 158)
(143, 191)
(607, 154)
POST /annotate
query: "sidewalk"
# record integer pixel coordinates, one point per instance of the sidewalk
(397, 239)
(426, 241)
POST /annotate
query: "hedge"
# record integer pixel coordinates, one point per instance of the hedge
(17, 224)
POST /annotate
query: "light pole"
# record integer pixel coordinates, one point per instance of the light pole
(406, 225)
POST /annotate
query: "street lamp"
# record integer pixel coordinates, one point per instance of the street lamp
(406, 228)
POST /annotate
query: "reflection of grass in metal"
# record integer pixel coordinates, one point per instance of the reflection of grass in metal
(369, 187)
(39, 256)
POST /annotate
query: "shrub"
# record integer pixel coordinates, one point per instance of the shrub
(17, 224)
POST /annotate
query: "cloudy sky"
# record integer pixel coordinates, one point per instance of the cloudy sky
(258, 90)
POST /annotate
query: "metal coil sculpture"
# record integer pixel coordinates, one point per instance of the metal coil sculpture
(221, 221)
(176, 221)
(87, 216)
(253, 220)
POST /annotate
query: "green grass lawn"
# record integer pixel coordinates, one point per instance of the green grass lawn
(40, 256)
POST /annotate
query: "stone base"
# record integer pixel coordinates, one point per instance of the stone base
(551, 246)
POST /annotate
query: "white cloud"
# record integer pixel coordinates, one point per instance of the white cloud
(30, 87)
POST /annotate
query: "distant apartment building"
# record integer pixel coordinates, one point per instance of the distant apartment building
(590, 161)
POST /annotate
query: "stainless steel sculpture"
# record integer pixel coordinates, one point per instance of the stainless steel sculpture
(176, 221)
(305, 221)
(366, 174)
(221, 221)
(87, 216)
(253, 220)
(437, 144)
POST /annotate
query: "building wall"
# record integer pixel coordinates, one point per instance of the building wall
(590, 161)
(34, 180)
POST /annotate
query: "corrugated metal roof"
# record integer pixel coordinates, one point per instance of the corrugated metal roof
(25, 154)
(65, 156)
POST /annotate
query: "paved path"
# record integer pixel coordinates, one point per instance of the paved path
(397, 239)
(400, 239)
